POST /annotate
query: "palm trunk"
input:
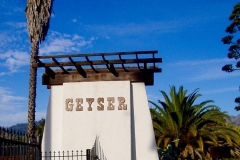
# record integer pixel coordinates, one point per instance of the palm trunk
(32, 97)
(38, 13)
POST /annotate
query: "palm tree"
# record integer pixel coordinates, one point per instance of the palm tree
(192, 127)
(38, 13)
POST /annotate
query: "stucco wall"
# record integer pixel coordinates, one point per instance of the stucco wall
(123, 134)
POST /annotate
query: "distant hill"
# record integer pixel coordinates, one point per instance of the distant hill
(235, 120)
(23, 126)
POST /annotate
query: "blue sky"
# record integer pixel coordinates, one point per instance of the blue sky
(187, 35)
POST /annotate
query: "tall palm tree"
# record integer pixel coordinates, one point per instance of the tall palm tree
(192, 127)
(38, 13)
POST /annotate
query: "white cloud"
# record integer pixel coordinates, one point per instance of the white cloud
(15, 37)
(40, 115)
(17, 25)
(212, 73)
(76, 37)
(155, 98)
(9, 119)
(64, 43)
(12, 7)
(52, 15)
(201, 70)
(148, 27)
(6, 38)
(74, 20)
(208, 62)
(220, 90)
(14, 60)
(13, 46)
(3, 73)
(9, 101)
(18, 9)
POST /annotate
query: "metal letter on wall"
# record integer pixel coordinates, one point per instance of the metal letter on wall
(101, 106)
(69, 107)
(79, 106)
(110, 103)
(121, 105)
(89, 100)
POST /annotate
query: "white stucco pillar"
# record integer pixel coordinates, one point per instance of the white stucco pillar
(144, 135)
(80, 112)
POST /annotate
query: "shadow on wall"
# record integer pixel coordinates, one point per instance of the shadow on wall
(132, 124)
(47, 128)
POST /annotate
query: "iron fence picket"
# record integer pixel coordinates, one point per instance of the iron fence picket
(66, 155)
(14, 145)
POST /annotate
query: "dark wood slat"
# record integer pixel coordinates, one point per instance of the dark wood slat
(38, 61)
(50, 72)
(79, 68)
(154, 64)
(120, 57)
(113, 70)
(91, 65)
(101, 68)
(118, 69)
(106, 62)
(137, 61)
(97, 54)
(146, 77)
(100, 62)
(59, 65)
(145, 66)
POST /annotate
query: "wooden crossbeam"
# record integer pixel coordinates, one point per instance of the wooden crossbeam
(145, 66)
(105, 62)
(91, 64)
(59, 65)
(146, 77)
(79, 68)
(40, 62)
(120, 57)
(50, 72)
(113, 70)
(118, 69)
(154, 64)
(97, 54)
(100, 62)
(99, 68)
(137, 61)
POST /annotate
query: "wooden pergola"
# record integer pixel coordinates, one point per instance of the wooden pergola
(138, 66)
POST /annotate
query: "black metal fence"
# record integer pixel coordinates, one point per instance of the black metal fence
(68, 155)
(97, 151)
(14, 145)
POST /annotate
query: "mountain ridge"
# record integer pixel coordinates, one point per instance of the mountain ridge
(22, 127)
(235, 120)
